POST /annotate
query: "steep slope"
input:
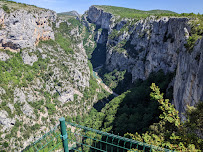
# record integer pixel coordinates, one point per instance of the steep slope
(144, 42)
(44, 73)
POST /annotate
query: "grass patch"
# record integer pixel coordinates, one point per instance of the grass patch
(6, 9)
(132, 13)
(64, 43)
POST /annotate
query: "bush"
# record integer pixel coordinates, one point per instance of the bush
(191, 42)
(169, 132)
(6, 9)
(5, 144)
(51, 108)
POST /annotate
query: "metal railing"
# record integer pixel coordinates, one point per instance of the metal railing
(70, 137)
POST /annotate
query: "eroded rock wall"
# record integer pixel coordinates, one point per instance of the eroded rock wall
(22, 28)
(151, 44)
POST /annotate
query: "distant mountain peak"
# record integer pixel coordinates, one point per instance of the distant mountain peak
(70, 13)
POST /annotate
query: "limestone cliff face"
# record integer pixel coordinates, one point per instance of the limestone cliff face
(99, 17)
(148, 45)
(23, 28)
(188, 84)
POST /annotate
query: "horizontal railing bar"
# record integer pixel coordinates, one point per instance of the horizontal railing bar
(55, 147)
(119, 137)
(46, 134)
(49, 142)
(89, 146)
(102, 142)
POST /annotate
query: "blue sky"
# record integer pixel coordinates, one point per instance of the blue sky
(179, 6)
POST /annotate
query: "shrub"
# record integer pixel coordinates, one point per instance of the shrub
(6, 9)
(5, 144)
(191, 42)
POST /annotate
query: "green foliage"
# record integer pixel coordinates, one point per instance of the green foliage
(14, 73)
(133, 13)
(113, 78)
(74, 22)
(48, 42)
(133, 111)
(170, 114)
(51, 108)
(5, 144)
(63, 37)
(169, 132)
(75, 97)
(37, 105)
(194, 122)
(64, 43)
(6, 9)
(3, 106)
(35, 127)
(114, 34)
(17, 107)
(89, 43)
(12, 70)
(196, 24)
(191, 42)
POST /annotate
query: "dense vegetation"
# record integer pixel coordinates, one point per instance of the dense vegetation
(196, 31)
(132, 110)
(170, 132)
(138, 113)
(118, 81)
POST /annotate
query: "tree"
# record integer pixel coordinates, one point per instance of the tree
(169, 132)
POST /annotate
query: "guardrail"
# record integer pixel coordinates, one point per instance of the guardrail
(70, 137)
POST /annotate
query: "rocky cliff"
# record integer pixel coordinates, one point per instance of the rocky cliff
(22, 28)
(150, 44)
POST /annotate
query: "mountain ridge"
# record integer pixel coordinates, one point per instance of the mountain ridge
(70, 13)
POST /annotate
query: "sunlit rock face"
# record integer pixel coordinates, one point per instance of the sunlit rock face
(23, 28)
(151, 45)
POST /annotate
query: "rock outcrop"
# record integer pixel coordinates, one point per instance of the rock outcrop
(25, 28)
(188, 85)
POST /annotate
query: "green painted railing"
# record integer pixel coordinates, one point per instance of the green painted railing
(70, 137)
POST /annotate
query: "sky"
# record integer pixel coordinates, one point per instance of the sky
(179, 6)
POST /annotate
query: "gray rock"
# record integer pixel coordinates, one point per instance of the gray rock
(66, 96)
(11, 106)
(19, 96)
(99, 17)
(27, 59)
(22, 29)
(4, 56)
(188, 85)
(2, 91)
(5, 121)
(27, 110)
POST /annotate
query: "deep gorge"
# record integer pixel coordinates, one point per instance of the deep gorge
(47, 66)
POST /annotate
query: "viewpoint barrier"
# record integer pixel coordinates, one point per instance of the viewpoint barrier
(71, 137)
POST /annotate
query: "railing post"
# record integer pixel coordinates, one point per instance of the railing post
(64, 134)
